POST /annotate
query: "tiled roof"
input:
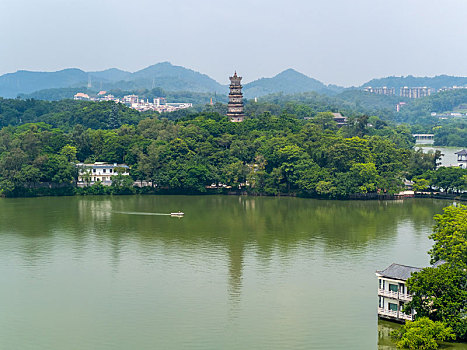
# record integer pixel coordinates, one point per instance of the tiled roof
(463, 152)
(399, 272)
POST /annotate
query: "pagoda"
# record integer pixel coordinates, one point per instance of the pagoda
(235, 105)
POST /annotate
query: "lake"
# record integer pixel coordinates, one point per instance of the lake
(235, 272)
(448, 158)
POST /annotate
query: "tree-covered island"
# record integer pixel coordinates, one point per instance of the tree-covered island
(267, 154)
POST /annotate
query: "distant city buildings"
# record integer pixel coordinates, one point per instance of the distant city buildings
(159, 104)
(381, 90)
(455, 87)
(409, 91)
(416, 92)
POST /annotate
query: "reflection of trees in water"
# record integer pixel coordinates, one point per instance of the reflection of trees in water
(236, 251)
(384, 335)
(212, 223)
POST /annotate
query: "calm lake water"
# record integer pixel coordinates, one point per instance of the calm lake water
(448, 158)
(234, 273)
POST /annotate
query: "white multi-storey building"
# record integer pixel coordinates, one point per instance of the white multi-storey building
(392, 292)
(384, 90)
(416, 92)
(89, 174)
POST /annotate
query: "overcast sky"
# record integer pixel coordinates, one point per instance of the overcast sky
(344, 42)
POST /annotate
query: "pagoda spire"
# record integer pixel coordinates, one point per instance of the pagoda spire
(235, 105)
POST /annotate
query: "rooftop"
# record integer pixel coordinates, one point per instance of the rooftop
(399, 272)
(102, 165)
(462, 153)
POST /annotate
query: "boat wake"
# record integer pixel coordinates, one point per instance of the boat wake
(141, 213)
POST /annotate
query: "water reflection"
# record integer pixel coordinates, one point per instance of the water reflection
(384, 335)
(218, 222)
(297, 270)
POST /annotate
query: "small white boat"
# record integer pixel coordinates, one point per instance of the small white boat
(179, 213)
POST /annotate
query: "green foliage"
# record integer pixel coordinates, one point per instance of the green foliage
(450, 236)
(266, 154)
(440, 293)
(66, 114)
(422, 334)
(420, 184)
(449, 179)
(421, 162)
(451, 133)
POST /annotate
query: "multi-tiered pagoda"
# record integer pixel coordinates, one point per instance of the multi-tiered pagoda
(235, 106)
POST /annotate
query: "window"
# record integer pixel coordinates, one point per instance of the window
(380, 283)
(93, 170)
(380, 303)
(110, 170)
(393, 287)
(103, 170)
(392, 307)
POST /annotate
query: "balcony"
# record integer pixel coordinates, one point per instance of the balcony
(405, 297)
(394, 314)
(394, 295)
(388, 294)
(389, 313)
(405, 316)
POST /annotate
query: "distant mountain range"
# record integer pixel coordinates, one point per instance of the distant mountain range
(173, 78)
(163, 75)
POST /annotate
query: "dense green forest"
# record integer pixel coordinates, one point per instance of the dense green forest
(449, 131)
(274, 151)
(267, 154)
(65, 114)
(416, 113)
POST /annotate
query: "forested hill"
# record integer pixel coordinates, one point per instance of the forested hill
(163, 75)
(437, 82)
(266, 154)
(287, 82)
(66, 114)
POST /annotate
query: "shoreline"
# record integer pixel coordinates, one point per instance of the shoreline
(355, 197)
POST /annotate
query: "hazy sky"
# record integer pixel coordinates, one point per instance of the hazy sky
(345, 42)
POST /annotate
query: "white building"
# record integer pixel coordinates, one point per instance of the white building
(392, 292)
(89, 174)
(462, 159)
(381, 90)
(416, 92)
